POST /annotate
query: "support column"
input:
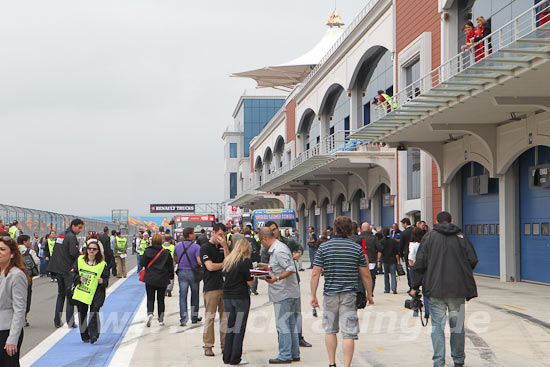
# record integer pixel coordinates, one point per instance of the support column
(324, 219)
(509, 214)
(376, 209)
(301, 217)
(426, 188)
(452, 198)
(356, 108)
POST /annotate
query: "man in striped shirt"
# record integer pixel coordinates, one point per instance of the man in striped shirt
(343, 262)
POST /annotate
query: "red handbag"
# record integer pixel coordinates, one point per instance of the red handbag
(142, 271)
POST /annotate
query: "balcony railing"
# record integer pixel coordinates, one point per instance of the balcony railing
(330, 145)
(512, 32)
(341, 39)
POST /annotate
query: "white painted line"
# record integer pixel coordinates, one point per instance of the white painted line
(123, 356)
(34, 354)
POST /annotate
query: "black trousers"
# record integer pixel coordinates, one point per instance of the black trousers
(5, 359)
(160, 293)
(64, 285)
(29, 297)
(373, 276)
(237, 316)
(89, 329)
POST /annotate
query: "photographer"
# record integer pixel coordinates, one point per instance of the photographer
(445, 260)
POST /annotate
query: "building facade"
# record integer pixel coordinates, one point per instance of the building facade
(465, 130)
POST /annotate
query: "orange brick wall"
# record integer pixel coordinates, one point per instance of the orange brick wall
(291, 121)
(437, 199)
(414, 18)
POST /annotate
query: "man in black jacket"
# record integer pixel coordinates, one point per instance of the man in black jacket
(444, 267)
(107, 250)
(61, 262)
(405, 238)
(371, 248)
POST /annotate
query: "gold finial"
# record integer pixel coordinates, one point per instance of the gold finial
(335, 20)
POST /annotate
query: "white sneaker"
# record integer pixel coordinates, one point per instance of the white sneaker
(161, 323)
(243, 362)
(149, 320)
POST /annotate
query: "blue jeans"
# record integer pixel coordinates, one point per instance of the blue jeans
(43, 266)
(237, 316)
(254, 286)
(186, 280)
(286, 320)
(311, 251)
(389, 270)
(438, 311)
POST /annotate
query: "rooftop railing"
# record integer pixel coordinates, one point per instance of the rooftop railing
(519, 27)
(341, 39)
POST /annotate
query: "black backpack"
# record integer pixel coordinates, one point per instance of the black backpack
(29, 263)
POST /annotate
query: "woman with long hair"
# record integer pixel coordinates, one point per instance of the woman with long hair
(14, 281)
(158, 272)
(91, 277)
(481, 32)
(236, 299)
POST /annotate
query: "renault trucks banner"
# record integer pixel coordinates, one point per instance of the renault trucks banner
(172, 208)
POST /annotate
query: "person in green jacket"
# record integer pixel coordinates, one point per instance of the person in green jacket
(168, 245)
(120, 255)
(91, 278)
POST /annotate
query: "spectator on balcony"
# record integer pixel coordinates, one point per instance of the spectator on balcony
(480, 38)
(469, 30)
(386, 101)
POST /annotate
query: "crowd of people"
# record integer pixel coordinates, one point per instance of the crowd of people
(230, 264)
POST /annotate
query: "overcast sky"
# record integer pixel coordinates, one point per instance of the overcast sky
(118, 104)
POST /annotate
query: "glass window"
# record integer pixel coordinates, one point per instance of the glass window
(366, 114)
(413, 174)
(412, 74)
(536, 229)
(232, 185)
(232, 150)
(544, 229)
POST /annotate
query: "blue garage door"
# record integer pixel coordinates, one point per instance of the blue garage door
(535, 219)
(364, 215)
(480, 217)
(387, 206)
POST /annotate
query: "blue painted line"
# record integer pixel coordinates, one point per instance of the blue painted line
(117, 315)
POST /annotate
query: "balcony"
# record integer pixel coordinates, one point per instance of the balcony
(519, 48)
(326, 151)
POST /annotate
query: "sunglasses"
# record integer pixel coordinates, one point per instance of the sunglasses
(93, 249)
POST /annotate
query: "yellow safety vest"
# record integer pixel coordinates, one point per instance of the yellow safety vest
(170, 248)
(13, 231)
(85, 292)
(388, 100)
(51, 244)
(121, 244)
(143, 244)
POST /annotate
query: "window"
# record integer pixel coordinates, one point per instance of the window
(257, 113)
(412, 75)
(232, 150)
(232, 185)
(413, 174)
(366, 114)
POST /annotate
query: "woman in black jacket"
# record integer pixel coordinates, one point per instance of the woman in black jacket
(90, 289)
(157, 276)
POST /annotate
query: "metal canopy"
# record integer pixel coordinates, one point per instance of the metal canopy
(462, 74)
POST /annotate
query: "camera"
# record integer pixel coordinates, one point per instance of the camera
(415, 303)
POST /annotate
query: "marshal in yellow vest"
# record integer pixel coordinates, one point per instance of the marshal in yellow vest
(85, 292)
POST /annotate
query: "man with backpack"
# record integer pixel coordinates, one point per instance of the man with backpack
(32, 263)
